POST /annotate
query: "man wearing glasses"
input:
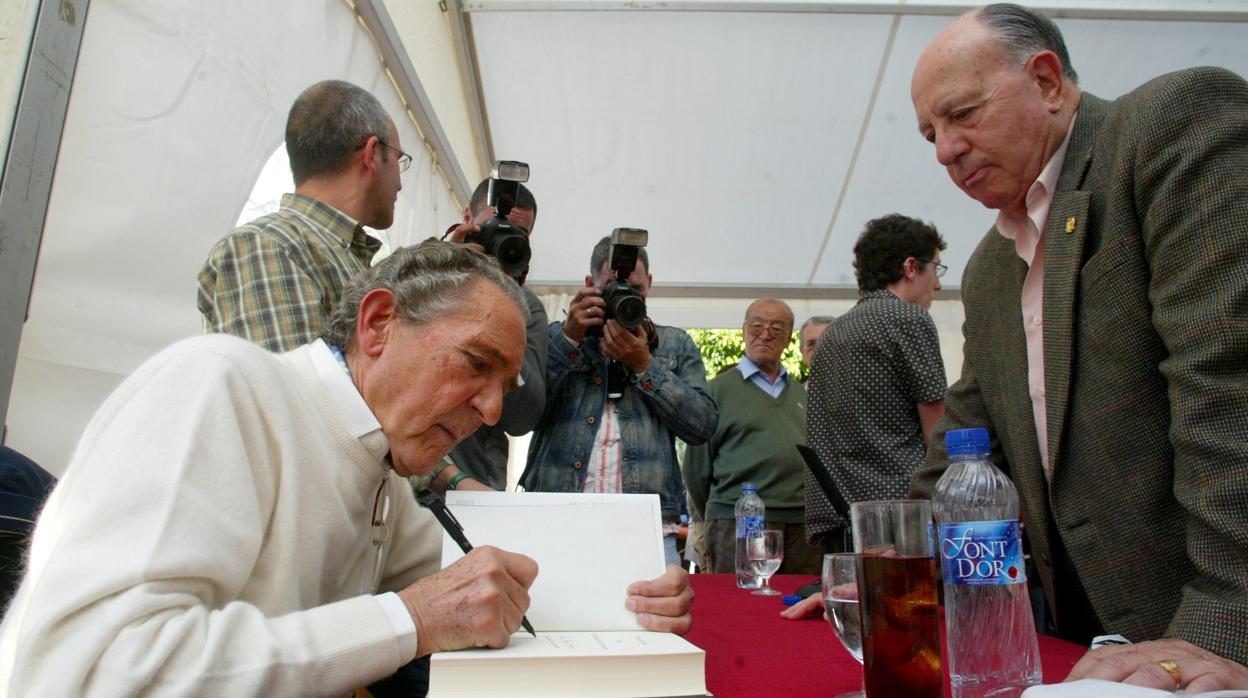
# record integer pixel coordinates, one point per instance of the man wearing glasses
(276, 279)
(762, 416)
(877, 386)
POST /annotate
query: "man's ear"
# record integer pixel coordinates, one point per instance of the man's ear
(589, 281)
(1045, 70)
(373, 325)
(468, 214)
(369, 162)
(910, 268)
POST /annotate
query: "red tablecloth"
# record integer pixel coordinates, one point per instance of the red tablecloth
(752, 651)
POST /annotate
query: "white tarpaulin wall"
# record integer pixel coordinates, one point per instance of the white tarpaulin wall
(176, 107)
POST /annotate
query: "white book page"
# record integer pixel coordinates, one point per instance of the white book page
(579, 645)
(589, 548)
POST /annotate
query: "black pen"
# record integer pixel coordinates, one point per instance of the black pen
(434, 503)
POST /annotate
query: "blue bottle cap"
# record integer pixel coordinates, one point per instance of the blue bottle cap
(791, 599)
(961, 442)
(749, 487)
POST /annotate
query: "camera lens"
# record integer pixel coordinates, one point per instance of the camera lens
(512, 251)
(629, 310)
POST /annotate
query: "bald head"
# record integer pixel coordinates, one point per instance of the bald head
(995, 111)
(767, 330)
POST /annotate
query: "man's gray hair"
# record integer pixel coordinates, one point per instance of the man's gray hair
(816, 320)
(327, 123)
(1024, 33)
(428, 280)
(602, 252)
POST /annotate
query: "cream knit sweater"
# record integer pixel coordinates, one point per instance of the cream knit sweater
(211, 537)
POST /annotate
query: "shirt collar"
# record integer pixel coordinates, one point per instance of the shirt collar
(749, 368)
(1040, 194)
(361, 423)
(348, 231)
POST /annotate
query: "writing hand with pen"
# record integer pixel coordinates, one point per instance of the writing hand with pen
(478, 601)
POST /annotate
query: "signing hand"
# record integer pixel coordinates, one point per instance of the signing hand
(663, 604)
(632, 350)
(476, 602)
(1199, 670)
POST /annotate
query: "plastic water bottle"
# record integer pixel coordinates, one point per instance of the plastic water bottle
(751, 516)
(991, 633)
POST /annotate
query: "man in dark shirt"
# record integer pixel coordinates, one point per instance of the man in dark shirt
(878, 383)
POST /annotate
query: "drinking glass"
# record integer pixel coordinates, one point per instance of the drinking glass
(897, 578)
(765, 549)
(840, 603)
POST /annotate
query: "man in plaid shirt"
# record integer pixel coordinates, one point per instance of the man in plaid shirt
(275, 280)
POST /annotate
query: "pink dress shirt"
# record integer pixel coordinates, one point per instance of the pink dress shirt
(1027, 232)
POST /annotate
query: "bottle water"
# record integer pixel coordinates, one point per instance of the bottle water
(750, 517)
(991, 633)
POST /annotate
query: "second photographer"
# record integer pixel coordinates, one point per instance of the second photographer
(605, 433)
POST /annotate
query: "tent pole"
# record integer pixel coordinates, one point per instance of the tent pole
(399, 65)
(466, 57)
(26, 181)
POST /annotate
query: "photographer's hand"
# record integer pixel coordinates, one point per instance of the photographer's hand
(463, 230)
(629, 348)
(586, 311)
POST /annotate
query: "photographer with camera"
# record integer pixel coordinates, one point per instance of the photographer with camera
(498, 221)
(619, 389)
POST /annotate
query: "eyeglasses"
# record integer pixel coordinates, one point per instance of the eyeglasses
(405, 160)
(381, 534)
(755, 327)
(940, 268)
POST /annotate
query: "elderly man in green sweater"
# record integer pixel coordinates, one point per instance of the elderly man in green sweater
(762, 416)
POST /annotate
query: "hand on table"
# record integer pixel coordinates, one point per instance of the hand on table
(663, 604)
(476, 602)
(806, 608)
(1199, 670)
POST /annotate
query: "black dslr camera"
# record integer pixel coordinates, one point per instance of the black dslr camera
(502, 240)
(623, 304)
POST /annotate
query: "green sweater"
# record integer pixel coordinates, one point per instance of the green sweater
(754, 442)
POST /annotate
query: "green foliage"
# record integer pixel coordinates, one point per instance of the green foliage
(722, 348)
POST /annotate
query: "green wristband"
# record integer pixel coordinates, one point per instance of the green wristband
(458, 478)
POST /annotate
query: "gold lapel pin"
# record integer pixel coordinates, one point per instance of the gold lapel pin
(1071, 224)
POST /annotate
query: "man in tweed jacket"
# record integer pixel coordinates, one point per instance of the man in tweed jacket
(1107, 336)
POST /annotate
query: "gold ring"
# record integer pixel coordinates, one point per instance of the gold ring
(1171, 667)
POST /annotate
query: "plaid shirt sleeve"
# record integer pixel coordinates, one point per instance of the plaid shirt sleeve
(252, 287)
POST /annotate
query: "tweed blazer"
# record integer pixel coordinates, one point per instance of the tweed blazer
(1145, 363)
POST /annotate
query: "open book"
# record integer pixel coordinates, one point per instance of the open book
(589, 549)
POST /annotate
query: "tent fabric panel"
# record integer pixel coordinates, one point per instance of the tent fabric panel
(176, 107)
(714, 131)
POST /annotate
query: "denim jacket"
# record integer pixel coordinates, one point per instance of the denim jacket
(668, 399)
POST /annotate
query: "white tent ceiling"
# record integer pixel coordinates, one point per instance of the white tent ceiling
(752, 139)
(755, 145)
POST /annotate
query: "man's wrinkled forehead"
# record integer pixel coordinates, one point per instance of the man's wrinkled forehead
(952, 60)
